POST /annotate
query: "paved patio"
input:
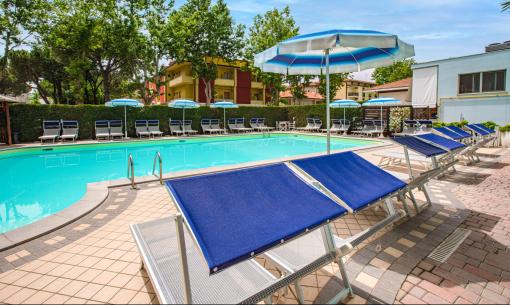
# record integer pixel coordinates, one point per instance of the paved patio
(94, 260)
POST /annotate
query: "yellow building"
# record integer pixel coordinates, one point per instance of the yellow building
(351, 89)
(354, 89)
(232, 83)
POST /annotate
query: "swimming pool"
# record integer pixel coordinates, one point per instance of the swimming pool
(40, 181)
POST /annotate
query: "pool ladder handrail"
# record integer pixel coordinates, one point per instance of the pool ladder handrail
(157, 157)
(131, 171)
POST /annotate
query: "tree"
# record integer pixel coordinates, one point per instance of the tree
(335, 82)
(397, 71)
(297, 85)
(97, 38)
(156, 50)
(205, 34)
(505, 6)
(268, 30)
(18, 20)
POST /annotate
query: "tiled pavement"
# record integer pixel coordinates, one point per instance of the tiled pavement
(94, 260)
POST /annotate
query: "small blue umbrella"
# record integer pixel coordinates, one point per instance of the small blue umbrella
(124, 103)
(225, 105)
(183, 104)
(344, 104)
(333, 51)
(383, 101)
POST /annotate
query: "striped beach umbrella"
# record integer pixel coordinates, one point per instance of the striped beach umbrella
(333, 51)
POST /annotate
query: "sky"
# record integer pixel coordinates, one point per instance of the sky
(438, 29)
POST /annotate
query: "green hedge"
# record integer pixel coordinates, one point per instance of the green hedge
(27, 119)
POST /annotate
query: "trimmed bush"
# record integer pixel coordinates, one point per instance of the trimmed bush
(27, 119)
(490, 125)
(505, 128)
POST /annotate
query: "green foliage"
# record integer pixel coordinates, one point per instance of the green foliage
(397, 71)
(297, 85)
(335, 82)
(28, 118)
(268, 30)
(505, 6)
(205, 32)
(397, 116)
(505, 128)
(443, 124)
(490, 124)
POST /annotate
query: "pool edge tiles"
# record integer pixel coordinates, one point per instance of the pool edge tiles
(143, 179)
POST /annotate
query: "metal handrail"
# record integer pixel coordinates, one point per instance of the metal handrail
(131, 171)
(157, 157)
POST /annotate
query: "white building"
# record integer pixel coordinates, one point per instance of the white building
(474, 87)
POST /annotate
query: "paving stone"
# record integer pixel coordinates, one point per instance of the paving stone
(438, 291)
(494, 297)
(431, 277)
(409, 299)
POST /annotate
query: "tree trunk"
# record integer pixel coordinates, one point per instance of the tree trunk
(42, 93)
(106, 85)
(6, 50)
(208, 91)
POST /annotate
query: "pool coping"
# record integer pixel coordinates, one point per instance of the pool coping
(97, 192)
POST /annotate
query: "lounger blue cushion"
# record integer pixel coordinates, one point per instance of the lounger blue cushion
(460, 131)
(239, 213)
(51, 124)
(419, 146)
(441, 141)
(70, 124)
(449, 133)
(353, 179)
(483, 127)
(103, 123)
(477, 129)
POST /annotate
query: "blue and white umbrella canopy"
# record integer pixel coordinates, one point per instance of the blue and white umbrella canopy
(225, 105)
(349, 51)
(183, 104)
(124, 102)
(333, 51)
(344, 104)
(383, 101)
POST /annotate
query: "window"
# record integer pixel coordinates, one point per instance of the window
(489, 81)
(469, 83)
(493, 81)
(226, 95)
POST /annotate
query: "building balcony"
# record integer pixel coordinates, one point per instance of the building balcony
(224, 82)
(257, 85)
(181, 80)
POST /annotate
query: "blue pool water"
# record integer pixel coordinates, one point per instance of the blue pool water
(38, 182)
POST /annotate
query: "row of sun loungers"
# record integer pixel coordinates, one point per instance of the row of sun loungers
(109, 129)
(63, 130)
(416, 126)
(206, 253)
(312, 125)
(371, 128)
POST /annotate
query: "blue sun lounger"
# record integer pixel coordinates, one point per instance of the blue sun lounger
(230, 218)
(354, 183)
(440, 160)
(481, 126)
(478, 131)
(460, 131)
(452, 134)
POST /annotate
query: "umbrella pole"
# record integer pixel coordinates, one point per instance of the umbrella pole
(382, 128)
(224, 120)
(125, 122)
(183, 118)
(328, 145)
(343, 123)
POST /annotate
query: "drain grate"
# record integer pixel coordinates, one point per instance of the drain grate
(449, 245)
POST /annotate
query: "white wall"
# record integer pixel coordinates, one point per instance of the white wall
(477, 107)
(496, 109)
